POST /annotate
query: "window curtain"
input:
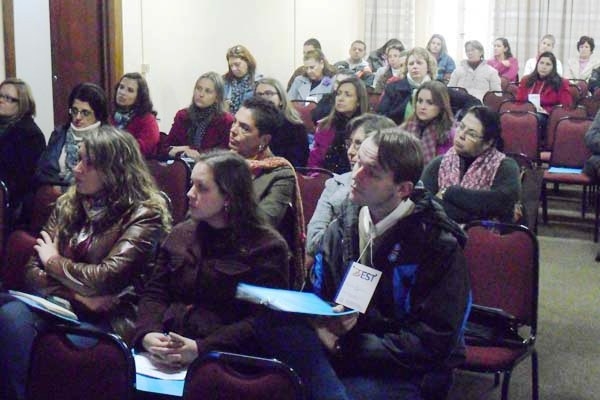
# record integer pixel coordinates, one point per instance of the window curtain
(524, 22)
(387, 19)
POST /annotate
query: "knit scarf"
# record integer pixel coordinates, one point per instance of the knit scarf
(427, 135)
(200, 119)
(265, 162)
(122, 118)
(238, 88)
(479, 175)
(71, 149)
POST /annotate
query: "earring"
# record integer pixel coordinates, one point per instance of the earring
(226, 208)
(261, 147)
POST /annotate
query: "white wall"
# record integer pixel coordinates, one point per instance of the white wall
(33, 57)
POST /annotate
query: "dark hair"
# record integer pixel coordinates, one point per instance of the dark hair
(588, 40)
(553, 78)
(441, 98)
(93, 95)
(243, 53)
(313, 42)
(143, 104)
(490, 120)
(369, 122)
(506, 45)
(25, 97)
(444, 49)
(234, 180)
(361, 94)
(359, 42)
(399, 152)
(267, 117)
(392, 42)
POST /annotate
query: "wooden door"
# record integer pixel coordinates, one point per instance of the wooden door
(86, 46)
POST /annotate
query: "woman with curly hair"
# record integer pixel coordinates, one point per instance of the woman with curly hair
(98, 245)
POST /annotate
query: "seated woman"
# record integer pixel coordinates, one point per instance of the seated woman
(240, 77)
(316, 80)
(396, 102)
(190, 295)
(87, 111)
(98, 243)
(581, 67)
(503, 61)
(291, 142)
(323, 107)
(474, 179)
(378, 58)
(445, 64)
(474, 74)
(545, 88)
(203, 125)
(394, 70)
(134, 112)
(432, 121)
(337, 188)
(274, 179)
(21, 142)
(328, 151)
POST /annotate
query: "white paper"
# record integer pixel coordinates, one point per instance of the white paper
(535, 99)
(144, 366)
(358, 287)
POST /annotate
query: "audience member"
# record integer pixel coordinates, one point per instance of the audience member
(203, 125)
(310, 44)
(547, 43)
(592, 142)
(190, 295)
(21, 144)
(99, 243)
(328, 149)
(240, 77)
(474, 179)
(474, 74)
(432, 120)
(412, 329)
(594, 82)
(396, 102)
(581, 67)
(87, 111)
(337, 188)
(445, 63)
(134, 112)
(395, 69)
(357, 62)
(316, 80)
(291, 141)
(503, 61)
(323, 107)
(378, 58)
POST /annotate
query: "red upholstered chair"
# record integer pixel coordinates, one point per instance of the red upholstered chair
(59, 369)
(304, 108)
(18, 250)
(514, 105)
(503, 263)
(591, 104)
(512, 88)
(230, 376)
(558, 112)
(569, 151)
(173, 178)
(493, 99)
(311, 182)
(582, 86)
(520, 133)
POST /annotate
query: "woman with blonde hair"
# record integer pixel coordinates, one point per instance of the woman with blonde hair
(240, 77)
(291, 142)
(203, 125)
(98, 245)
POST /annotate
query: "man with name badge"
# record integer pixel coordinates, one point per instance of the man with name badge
(410, 335)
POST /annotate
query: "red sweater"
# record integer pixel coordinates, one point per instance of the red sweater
(548, 96)
(144, 129)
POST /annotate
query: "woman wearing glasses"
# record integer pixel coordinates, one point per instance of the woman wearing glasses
(21, 141)
(87, 111)
(291, 142)
(474, 179)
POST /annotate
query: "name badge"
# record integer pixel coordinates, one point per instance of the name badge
(358, 287)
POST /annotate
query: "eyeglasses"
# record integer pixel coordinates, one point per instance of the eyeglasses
(267, 93)
(471, 134)
(8, 98)
(73, 111)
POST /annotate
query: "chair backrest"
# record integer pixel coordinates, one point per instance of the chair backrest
(520, 133)
(532, 177)
(575, 92)
(173, 178)
(512, 88)
(582, 85)
(493, 99)
(503, 264)
(92, 365)
(231, 376)
(304, 108)
(514, 105)
(569, 148)
(591, 104)
(559, 112)
(4, 215)
(311, 182)
(18, 250)
(43, 203)
(459, 89)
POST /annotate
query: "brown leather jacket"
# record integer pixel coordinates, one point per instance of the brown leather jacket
(114, 259)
